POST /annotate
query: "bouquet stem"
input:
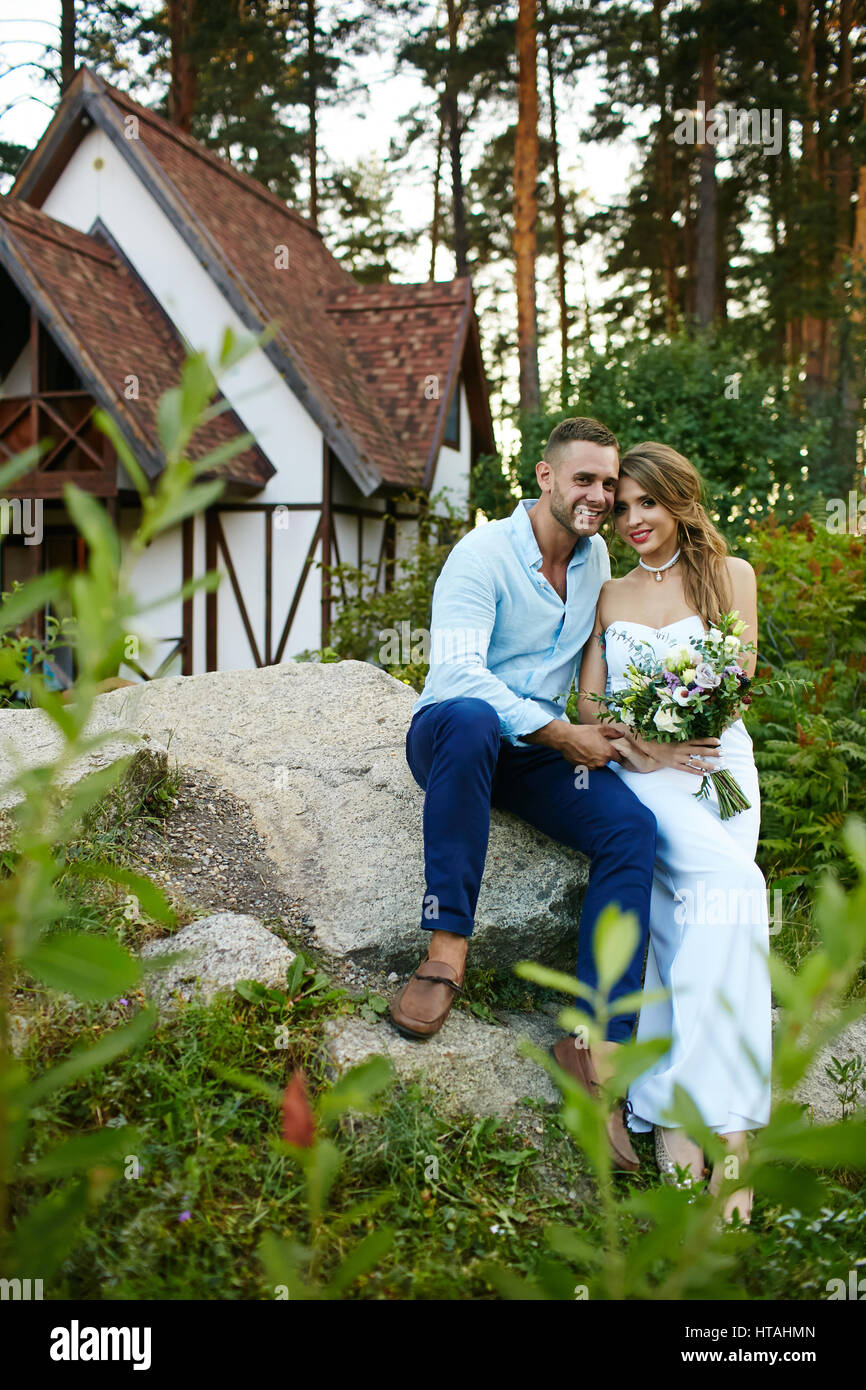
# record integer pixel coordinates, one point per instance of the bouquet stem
(732, 799)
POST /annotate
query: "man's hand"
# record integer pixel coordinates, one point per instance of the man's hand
(584, 745)
(634, 758)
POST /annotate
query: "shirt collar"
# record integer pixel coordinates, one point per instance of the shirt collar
(528, 545)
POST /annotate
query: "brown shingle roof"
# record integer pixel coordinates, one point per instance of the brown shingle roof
(235, 226)
(408, 340)
(248, 224)
(114, 327)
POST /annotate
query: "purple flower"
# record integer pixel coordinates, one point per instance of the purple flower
(706, 676)
(184, 1216)
(123, 1001)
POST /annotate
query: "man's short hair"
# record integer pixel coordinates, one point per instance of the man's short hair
(580, 427)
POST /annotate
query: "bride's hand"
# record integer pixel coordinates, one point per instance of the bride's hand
(633, 757)
(699, 755)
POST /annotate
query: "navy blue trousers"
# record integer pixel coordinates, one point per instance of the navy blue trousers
(457, 754)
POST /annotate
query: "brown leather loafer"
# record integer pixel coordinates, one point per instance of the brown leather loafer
(420, 1008)
(576, 1060)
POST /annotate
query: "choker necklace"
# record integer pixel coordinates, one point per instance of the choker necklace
(658, 572)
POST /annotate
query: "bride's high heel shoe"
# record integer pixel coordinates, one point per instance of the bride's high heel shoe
(668, 1166)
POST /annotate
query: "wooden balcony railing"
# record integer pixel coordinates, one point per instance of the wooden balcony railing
(79, 453)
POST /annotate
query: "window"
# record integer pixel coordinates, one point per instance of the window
(452, 421)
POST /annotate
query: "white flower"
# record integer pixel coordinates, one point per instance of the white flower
(714, 635)
(675, 660)
(627, 717)
(682, 696)
(666, 720)
(688, 675)
(732, 645)
(706, 677)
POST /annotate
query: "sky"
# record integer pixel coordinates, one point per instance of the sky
(359, 127)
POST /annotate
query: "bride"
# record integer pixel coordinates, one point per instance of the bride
(709, 929)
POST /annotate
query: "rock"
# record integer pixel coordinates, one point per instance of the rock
(29, 739)
(317, 751)
(475, 1067)
(222, 949)
(816, 1089)
(20, 1027)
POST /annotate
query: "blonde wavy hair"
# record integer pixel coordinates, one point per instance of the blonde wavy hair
(676, 485)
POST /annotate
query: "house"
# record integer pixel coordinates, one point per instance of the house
(123, 243)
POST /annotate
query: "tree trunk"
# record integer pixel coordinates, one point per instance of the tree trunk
(858, 250)
(437, 193)
(452, 112)
(844, 179)
(837, 363)
(312, 107)
(689, 255)
(705, 294)
(664, 165)
(526, 206)
(182, 93)
(558, 216)
(812, 329)
(67, 43)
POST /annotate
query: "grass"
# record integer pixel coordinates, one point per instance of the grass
(461, 1191)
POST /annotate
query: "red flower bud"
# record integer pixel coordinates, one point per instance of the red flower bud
(298, 1124)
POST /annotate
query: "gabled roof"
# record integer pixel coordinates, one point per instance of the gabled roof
(411, 342)
(235, 226)
(96, 308)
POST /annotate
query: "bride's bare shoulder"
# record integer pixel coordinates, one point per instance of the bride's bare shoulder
(620, 585)
(611, 595)
(743, 580)
(737, 567)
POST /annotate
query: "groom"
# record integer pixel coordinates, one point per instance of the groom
(513, 607)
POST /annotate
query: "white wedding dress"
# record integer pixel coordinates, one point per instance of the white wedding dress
(709, 926)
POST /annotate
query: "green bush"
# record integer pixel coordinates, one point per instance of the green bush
(742, 423)
(810, 742)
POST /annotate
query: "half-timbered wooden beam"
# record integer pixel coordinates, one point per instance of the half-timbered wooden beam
(187, 540)
(327, 533)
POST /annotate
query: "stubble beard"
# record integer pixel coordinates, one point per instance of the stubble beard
(570, 518)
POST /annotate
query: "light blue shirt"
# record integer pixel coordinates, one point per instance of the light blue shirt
(500, 631)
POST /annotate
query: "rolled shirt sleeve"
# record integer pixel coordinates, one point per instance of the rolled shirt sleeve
(464, 611)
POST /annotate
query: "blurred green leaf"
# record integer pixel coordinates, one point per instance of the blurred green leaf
(90, 967)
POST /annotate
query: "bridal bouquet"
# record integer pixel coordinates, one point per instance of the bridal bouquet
(694, 692)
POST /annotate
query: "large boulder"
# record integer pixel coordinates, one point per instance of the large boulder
(29, 739)
(317, 751)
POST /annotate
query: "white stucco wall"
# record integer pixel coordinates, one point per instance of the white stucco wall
(17, 380)
(452, 465)
(98, 182)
